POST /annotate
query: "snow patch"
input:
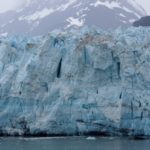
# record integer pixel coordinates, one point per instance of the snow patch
(131, 11)
(122, 15)
(11, 21)
(110, 5)
(117, 4)
(137, 6)
(45, 12)
(75, 22)
(124, 21)
(65, 6)
(38, 15)
(4, 34)
(131, 20)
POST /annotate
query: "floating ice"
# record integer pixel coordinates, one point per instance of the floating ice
(91, 138)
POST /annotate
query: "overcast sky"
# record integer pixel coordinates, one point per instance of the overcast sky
(145, 4)
(6, 5)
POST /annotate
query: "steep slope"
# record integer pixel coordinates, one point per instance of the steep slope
(39, 17)
(76, 82)
(144, 21)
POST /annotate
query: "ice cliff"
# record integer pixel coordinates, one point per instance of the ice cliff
(76, 82)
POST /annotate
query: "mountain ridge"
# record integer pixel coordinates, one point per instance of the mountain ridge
(38, 17)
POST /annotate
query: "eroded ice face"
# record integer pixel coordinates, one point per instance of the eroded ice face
(74, 82)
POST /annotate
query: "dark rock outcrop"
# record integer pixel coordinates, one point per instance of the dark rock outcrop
(144, 21)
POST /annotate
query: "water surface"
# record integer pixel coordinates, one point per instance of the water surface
(73, 143)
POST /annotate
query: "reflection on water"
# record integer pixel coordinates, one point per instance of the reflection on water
(73, 143)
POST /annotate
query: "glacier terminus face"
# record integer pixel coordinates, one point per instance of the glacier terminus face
(76, 82)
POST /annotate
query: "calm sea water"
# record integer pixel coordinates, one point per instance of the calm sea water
(73, 143)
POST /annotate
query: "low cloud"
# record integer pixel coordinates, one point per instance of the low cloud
(145, 4)
(7, 5)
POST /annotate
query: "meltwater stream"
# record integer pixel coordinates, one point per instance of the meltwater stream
(73, 143)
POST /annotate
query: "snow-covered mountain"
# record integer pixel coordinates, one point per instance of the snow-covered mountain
(40, 16)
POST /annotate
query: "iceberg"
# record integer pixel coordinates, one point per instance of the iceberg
(76, 82)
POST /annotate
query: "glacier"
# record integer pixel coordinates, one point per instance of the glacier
(76, 82)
